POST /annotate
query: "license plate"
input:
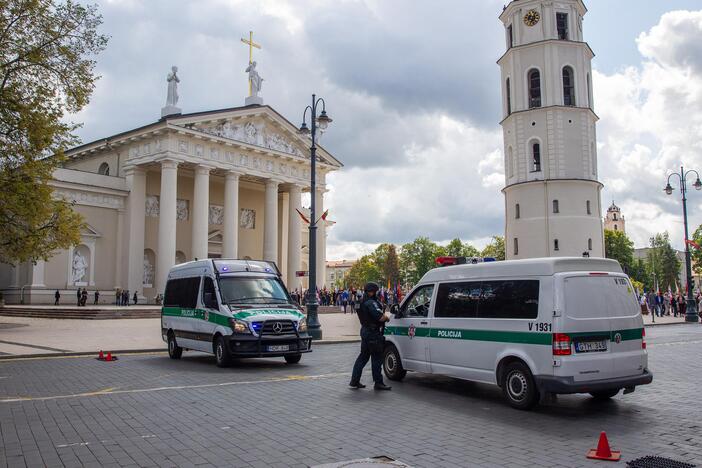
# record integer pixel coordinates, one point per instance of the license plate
(591, 346)
(277, 348)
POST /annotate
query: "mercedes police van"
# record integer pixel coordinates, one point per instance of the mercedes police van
(233, 309)
(533, 327)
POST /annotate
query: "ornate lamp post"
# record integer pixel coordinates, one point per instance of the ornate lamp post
(322, 122)
(691, 309)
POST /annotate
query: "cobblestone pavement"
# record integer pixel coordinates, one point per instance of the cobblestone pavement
(147, 410)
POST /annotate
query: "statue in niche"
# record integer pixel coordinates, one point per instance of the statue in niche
(247, 218)
(80, 267)
(254, 78)
(152, 206)
(181, 210)
(173, 80)
(148, 278)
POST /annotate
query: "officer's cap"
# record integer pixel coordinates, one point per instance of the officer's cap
(371, 287)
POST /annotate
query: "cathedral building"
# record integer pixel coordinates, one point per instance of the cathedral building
(552, 195)
(219, 183)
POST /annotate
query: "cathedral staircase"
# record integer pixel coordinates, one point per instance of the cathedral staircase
(82, 313)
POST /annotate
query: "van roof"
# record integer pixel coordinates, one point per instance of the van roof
(226, 265)
(528, 267)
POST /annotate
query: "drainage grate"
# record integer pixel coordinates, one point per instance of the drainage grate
(657, 462)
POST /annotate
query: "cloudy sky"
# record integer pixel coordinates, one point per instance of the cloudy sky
(414, 92)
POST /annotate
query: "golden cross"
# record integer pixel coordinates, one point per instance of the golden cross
(251, 45)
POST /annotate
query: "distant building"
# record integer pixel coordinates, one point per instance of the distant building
(614, 221)
(336, 270)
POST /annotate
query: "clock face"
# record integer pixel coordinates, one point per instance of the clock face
(532, 17)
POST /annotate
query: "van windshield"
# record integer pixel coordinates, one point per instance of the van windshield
(241, 290)
(599, 297)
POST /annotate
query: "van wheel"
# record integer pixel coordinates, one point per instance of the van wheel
(174, 351)
(222, 356)
(293, 358)
(392, 364)
(519, 387)
(604, 395)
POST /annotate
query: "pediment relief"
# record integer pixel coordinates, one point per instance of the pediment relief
(251, 132)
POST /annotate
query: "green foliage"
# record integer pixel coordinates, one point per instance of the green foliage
(495, 249)
(456, 248)
(664, 262)
(620, 248)
(390, 264)
(697, 253)
(418, 257)
(363, 271)
(46, 71)
(640, 272)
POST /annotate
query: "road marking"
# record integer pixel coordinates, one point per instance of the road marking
(79, 356)
(675, 343)
(73, 445)
(27, 345)
(113, 391)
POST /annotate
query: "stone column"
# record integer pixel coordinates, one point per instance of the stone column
(38, 274)
(270, 227)
(321, 240)
(136, 182)
(230, 237)
(201, 212)
(294, 236)
(165, 258)
(119, 249)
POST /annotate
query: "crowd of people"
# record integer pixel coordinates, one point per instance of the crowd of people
(668, 303)
(347, 299)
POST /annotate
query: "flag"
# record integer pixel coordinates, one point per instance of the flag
(304, 218)
(693, 244)
(324, 215)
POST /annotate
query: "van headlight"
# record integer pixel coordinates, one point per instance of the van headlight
(302, 325)
(239, 326)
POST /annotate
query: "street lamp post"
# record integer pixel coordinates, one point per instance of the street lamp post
(313, 326)
(691, 309)
(655, 283)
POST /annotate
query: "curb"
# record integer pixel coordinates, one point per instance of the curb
(658, 324)
(134, 351)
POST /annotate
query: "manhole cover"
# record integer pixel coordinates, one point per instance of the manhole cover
(375, 462)
(657, 462)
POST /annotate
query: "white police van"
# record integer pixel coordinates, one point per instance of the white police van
(534, 327)
(233, 309)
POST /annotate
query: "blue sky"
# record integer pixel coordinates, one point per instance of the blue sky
(414, 92)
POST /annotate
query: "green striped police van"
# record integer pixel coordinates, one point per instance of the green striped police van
(533, 327)
(233, 309)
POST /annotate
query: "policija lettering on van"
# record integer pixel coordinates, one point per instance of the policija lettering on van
(539, 326)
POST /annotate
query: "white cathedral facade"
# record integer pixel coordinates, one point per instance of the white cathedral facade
(552, 195)
(223, 183)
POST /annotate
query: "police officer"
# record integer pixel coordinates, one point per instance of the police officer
(372, 319)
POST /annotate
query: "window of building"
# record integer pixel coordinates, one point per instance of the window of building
(587, 205)
(534, 89)
(562, 26)
(516, 246)
(589, 244)
(568, 87)
(555, 244)
(536, 157)
(511, 299)
(555, 206)
(614, 216)
(509, 97)
(182, 293)
(104, 169)
(419, 304)
(510, 36)
(517, 214)
(615, 227)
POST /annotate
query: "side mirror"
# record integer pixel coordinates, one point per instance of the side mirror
(210, 300)
(395, 309)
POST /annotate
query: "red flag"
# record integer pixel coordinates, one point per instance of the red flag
(324, 215)
(304, 218)
(693, 244)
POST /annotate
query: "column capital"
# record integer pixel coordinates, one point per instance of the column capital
(133, 169)
(233, 175)
(203, 169)
(168, 163)
(297, 188)
(272, 183)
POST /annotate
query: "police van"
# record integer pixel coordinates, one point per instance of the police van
(533, 327)
(233, 309)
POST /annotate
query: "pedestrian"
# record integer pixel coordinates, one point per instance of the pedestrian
(372, 321)
(659, 304)
(57, 296)
(125, 297)
(345, 300)
(674, 305)
(83, 297)
(136, 298)
(78, 297)
(97, 296)
(118, 297)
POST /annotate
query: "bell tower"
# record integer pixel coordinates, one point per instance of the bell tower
(552, 195)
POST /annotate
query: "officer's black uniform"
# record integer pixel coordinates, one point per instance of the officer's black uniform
(369, 315)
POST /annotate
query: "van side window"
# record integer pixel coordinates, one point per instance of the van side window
(419, 304)
(510, 299)
(208, 288)
(457, 300)
(182, 292)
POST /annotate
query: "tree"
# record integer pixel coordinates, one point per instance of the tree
(46, 71)
(456, 248)
(363, 271)
(495, 249)
(696, 254)
(418, 257)
(390, 265)
(664, 262)
(641, 272)
(620, 248)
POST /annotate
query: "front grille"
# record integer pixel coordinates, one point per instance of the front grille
(285, 327)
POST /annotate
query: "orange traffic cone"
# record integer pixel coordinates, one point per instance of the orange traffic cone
(109, 358)
(101, 356)
(603, 452)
